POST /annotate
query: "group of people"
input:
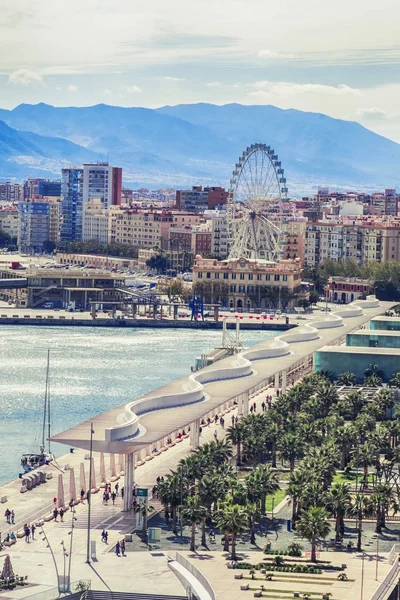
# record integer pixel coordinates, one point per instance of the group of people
(29, 532)
(120, 547)
(108, 494)
(10, 516)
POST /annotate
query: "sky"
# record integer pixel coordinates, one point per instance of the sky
(340, 58)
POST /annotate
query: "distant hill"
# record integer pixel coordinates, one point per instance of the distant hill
(25, 154)
(189, 144)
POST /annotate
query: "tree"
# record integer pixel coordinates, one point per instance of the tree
(312, 525)
(235, 436)
(298, 481)
(254, 515)
(170, 492)
(159, 263)
(211, 488)
(49, 246)
(195, 513)
(381, 500)
(291, 448)
(260, 483)
(365, 456)
(144, 510)
(374, 370)
(395, 380)
(313, 297)
(339, 505)
(233, 521)
(6, 241)
(361, 507)
(347, 378)
(373, 381)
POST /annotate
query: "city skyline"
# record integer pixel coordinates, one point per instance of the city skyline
(305, 56)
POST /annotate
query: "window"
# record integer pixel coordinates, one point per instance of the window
(267, 277)
(277, 277)
(242, 289)
(250, 289)
(259, 277)
(285, 278)
(208, 275)
(216, 275)
(199, 275)
(250, 276)
(242, 276)
(232, 288)
(233, 275)
(226, 275)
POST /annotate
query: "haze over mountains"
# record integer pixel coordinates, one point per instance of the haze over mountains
(197, 143)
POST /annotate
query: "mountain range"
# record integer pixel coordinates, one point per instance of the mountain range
(195, 143)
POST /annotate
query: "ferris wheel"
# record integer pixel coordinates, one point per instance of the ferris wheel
(256, 206)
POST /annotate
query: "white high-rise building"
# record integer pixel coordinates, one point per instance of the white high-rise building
(100, 181)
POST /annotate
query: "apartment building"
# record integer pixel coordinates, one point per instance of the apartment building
(99, 222)
(140, 229)
(103, 182)
(11, 192)
(199, 199)
(360, 240)
(9, 220)
(33, 225)
(41, 187)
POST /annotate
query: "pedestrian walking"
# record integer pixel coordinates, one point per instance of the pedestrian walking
(215, 435)
(104, 497)
(55, 514)
(13, 517)
(116, 488)
(103, 536)
(7, 515)
(216, 419)
(27, 532)
(61, 514)
(106, 537)
(82, 496)
(33, 529)
(222, 422)
(123, 546)
(233, 420)
(113, 496)
(71, 504)
(117, 548)
(122, 492)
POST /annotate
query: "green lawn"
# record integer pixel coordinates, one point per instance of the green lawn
(278, 497)
(350, 478)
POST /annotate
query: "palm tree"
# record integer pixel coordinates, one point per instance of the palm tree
(232, 520)
(235, 436)
(312, 525)
(272, 436)
(216, 453)
(373, 381)
(291, 448)
(381, 500)
(374, 370)
(299, 479)
(170, 492)
(254, 515)
(361, 508)
(347, 378)
(260, 483)
(144, 510)
(365, 456)
(211, 488)
(339, 505)
(195, 513)
(395, 380)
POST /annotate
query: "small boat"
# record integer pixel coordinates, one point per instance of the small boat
(34, 460)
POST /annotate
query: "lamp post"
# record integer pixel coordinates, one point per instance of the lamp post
(89, 494)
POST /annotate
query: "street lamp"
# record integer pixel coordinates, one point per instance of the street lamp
(89, 493)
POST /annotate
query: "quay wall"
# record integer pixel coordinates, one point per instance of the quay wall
(150, 323)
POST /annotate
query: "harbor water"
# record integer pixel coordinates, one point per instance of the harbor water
(91, 370)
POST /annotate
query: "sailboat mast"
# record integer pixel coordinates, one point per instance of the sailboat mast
(46, 410)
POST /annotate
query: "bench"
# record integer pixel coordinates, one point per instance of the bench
(3, 499)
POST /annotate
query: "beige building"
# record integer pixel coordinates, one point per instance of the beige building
(245, 284)
(9, 220)
(360, 240)
(99, 222)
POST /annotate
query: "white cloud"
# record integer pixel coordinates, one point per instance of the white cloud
(271, 55)
(107, 92)
(174, 78)
(25, 77)
(214, 84)
(58, 88)
(286, 88)
(372, 113)
(72, 88)
(132, 89)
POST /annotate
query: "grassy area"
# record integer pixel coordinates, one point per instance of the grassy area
(350, 478)
(278, 497)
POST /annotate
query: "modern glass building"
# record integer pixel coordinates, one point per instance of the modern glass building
(71, 204)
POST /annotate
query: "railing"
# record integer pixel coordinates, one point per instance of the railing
(386, 587)
(197, 574)
(31, 518)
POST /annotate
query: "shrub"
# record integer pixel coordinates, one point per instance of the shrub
(295, 549)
